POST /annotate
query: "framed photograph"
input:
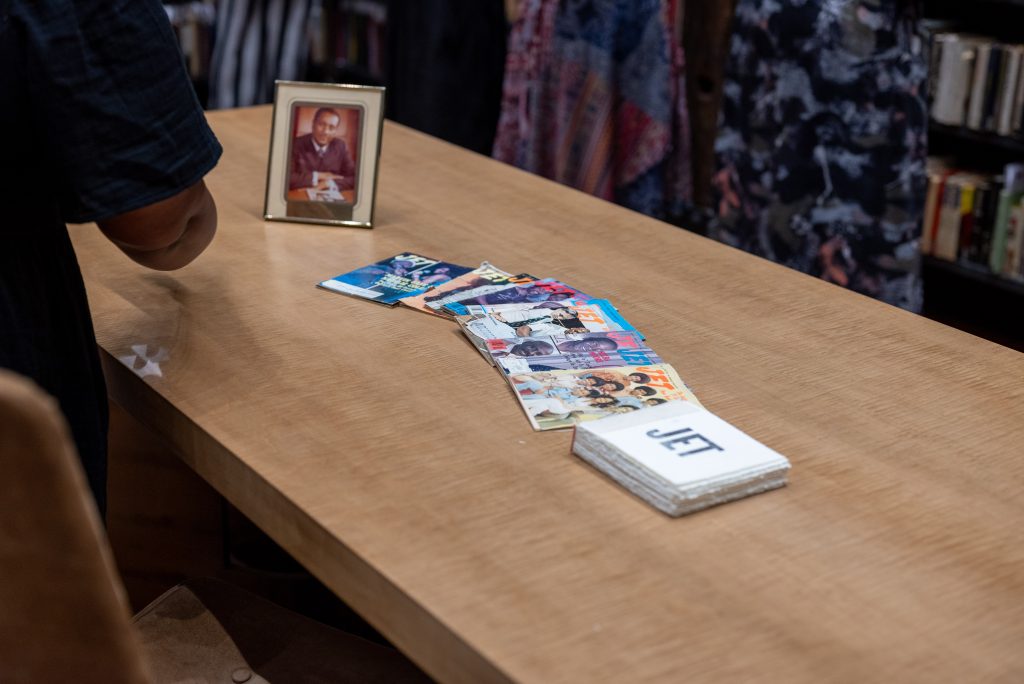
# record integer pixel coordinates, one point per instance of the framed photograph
(324, 153)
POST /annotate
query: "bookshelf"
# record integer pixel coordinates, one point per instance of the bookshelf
(958, 294)
(976, 275)
(950, 137)
(973, 301)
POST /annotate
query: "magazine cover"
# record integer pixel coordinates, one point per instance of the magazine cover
(483, 275)
(587, 350)
(561, 398)
(543, 319)
(400, 276)
(488, 282)
(545, 290)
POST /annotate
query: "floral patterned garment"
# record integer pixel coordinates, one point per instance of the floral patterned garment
(820, 157)
(594, 98)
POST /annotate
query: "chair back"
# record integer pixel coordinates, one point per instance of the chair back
(64, 615)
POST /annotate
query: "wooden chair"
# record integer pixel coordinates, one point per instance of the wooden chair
(64, 615)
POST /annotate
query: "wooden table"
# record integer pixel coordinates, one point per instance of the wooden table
(377, 447)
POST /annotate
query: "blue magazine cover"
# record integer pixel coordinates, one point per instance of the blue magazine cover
(403, 275)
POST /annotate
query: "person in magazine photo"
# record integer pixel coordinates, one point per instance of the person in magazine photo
(561, 398)
(487, 279)
(529, 348)
(537, 322)
(549, 292)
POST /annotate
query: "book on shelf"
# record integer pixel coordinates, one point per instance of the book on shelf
(975, 219)
(935, 169)
(929, 29)
(945, 224)
(1008, 239)
(956, 54)
(1003, 123)
(977, 82)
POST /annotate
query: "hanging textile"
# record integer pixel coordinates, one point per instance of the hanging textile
(594, 98)
(257, 42)
(348, 40)
(821, 151)
(446, 59)
(193, 24)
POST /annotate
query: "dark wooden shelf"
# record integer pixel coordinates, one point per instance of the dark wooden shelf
(1008, 144)
(974, 301)
(958, 8)
(1012, 3)
(977, 275)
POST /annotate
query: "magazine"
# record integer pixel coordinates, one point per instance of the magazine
(545, 290)
(561, 398)
(483, 275)
(484, 283)
(545, 319)
(586, 350)
(388, 281)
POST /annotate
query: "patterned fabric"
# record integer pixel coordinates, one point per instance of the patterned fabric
(104, 109)
(594, 98)
(257, 41)
(822, 146)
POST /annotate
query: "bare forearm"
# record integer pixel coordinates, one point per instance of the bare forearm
(167, 235)
(195, 236)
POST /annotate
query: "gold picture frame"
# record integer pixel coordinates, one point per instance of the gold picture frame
(324, 153)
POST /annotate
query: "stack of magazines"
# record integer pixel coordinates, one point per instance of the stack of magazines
(679, 457)
(568, 357)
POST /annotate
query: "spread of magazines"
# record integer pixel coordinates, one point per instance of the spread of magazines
(568, 357)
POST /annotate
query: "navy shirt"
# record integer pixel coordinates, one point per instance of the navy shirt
(97, 118)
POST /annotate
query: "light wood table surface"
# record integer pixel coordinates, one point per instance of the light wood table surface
(378, 448)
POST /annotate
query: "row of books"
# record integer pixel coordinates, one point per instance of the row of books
(974, 218)
(571, 359)
(977, 82)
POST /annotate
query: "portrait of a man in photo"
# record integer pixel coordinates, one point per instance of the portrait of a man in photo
(322, 165)
(324, 153)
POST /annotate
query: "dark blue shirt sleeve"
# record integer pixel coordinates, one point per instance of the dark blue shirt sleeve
(117, 122)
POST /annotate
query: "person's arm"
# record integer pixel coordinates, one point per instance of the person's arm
(345, 178)
(168, 234)
(300, 176)
(349, 171)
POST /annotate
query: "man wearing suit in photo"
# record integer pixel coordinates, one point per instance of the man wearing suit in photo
(321, 159)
